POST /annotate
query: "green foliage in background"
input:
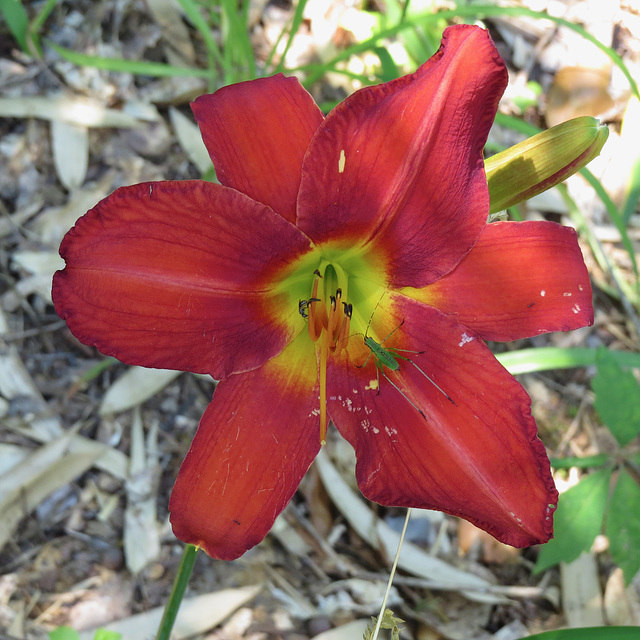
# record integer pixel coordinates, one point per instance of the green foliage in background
(67, 633)
(609, 495)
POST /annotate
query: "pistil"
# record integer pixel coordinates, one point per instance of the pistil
(329, 326)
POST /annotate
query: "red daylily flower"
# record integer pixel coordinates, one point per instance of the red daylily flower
(366, 224)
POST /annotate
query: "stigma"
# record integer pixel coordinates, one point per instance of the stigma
(329, 320)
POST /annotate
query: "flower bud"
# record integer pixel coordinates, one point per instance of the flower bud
(542, 161)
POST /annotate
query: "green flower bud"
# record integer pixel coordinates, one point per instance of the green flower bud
(542, 161)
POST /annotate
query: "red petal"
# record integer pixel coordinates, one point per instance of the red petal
(257, 133)
(254, 443)
(176, 275)
(400, 165)
(521, 279)
(479, 458)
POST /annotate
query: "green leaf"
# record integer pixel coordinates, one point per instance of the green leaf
(590, 633)
(578, 520)
(597, 460)
(623, 525)
(140, 67)
(617, 394)
(546, 358)
(104, 634)
(389, 69)
(64, 633)
(17, 21)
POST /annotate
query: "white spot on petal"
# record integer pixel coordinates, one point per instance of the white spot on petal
(566, 294)
(464, 338)
(576, 308)
(376, 430)
(543, 293)
(342, 161)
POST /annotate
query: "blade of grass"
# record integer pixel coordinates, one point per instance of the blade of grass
(546, 358)
(634, 194)
(238, 53)
(36, 25)
(143, 68)
(194, 15)
(614, 214)
(17, 21)
(629, 297)
(477, 11)
(295, 25)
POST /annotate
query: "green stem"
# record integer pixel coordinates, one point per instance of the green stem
(177, 591)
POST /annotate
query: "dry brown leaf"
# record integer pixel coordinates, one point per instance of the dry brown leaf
(621, 603)
(134, 387)
(54, 222)
(141, 532)
(174, 31)
(581, 597)
(196, 615)
(578, 91)
(15, 382)
(70, 146)
(72, 110)
(349, 631)
(190, 140)
(379, 535)
(53, 474)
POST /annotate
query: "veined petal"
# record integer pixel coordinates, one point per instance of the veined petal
(476, 456)
(254, 443)
(257, 133)
(519, 280)
(400, 165)
(177, 275)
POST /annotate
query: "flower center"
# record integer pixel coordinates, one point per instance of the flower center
(329, 319)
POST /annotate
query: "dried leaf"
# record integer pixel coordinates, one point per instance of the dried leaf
(190, 140)
(73, 110)
(581, 595)
(168, 16)
(196, 615)
(353, 630)
(38, 476)
(54, 222)
(141, 534)
(378, 534)
(15, 382)
(70, 144)
(133, 387)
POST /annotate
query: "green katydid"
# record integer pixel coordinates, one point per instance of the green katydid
(388, 357)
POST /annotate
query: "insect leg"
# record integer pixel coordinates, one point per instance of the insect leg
(438, 387)
(403, 394)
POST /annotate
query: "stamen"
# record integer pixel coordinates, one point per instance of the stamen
(343, 336)
(330, 324)
(333, 317)
(318, 319)
(324, 352)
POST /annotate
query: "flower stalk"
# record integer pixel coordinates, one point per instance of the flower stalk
(180, 583)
